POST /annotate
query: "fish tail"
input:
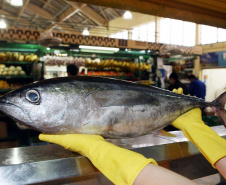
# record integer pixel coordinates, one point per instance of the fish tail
(220, 109)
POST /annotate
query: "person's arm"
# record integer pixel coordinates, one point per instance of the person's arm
(209, 143)
(157, 175)
(121, 166)
(221, 166)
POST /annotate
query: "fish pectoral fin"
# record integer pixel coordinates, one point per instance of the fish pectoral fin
(164, 133)
(106, 98)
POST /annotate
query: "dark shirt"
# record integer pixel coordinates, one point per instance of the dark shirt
(177, 85)
(197, 88)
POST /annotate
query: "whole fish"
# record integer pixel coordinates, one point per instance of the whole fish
(94, 105)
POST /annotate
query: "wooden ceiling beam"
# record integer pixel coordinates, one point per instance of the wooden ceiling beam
(67, 14)
(46, 3)
(209, 4)
(116, 13)
(4, 12)
(86, 18)
(89, 12)
(41, 12)
(23, 8)
(169, 9)
(102, 12)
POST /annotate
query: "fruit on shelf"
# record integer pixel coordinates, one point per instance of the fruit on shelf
(15, 56)
(8, 56)
(11, 70)
(4, 85)
(117, 65)
(21, 58)
(22, 73)
(109, 74)
(18, 68)
(18, 57)
(2, 56)
(63, 61)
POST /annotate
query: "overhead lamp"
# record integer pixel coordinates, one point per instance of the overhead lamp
(85, 32)
(16, 2)
(99, 48)
(2, 24)
(127, 15)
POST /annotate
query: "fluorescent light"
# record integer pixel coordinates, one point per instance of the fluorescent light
(127, 15)
(64, 45)
(62, 54)
(96, 51)
(99, 48)
(48, 48)
(85, 32)
(2, 24)
(76, 50)
(16, 2)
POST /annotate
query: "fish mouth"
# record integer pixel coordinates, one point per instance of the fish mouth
(15, 112)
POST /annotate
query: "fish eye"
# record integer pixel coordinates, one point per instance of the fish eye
(33, 96)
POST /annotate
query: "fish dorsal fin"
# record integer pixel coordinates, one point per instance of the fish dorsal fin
(106, 98)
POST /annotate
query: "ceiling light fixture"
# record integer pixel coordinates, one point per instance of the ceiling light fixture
(127, 15)
(2, 24)
(85, 32)
(99, 48)
(16, 2)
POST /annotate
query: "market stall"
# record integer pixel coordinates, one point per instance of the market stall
(39, 38)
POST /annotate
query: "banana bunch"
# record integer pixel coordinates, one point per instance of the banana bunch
(117, 65)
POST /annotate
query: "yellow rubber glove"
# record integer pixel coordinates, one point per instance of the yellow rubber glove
(210, 144)
(119, 165)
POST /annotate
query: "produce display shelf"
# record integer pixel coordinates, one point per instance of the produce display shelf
(16, 62)
(14, 77)
(110, 76)
(5, 90)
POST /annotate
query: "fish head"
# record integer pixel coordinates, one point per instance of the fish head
(38, 106)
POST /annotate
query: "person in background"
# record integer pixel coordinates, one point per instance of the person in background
(72, 70)
(196, 88)
(176, 84)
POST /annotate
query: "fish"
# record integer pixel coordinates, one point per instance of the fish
(97, 105)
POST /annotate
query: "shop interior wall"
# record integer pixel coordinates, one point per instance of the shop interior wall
(215, 77)
(215, 82)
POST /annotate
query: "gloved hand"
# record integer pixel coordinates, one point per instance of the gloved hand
(210, 144)
(119, 165)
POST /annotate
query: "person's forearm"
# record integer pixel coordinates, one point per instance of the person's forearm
(156, 175)
(221, 166)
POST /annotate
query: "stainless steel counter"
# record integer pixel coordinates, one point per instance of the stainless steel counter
(52, 164)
